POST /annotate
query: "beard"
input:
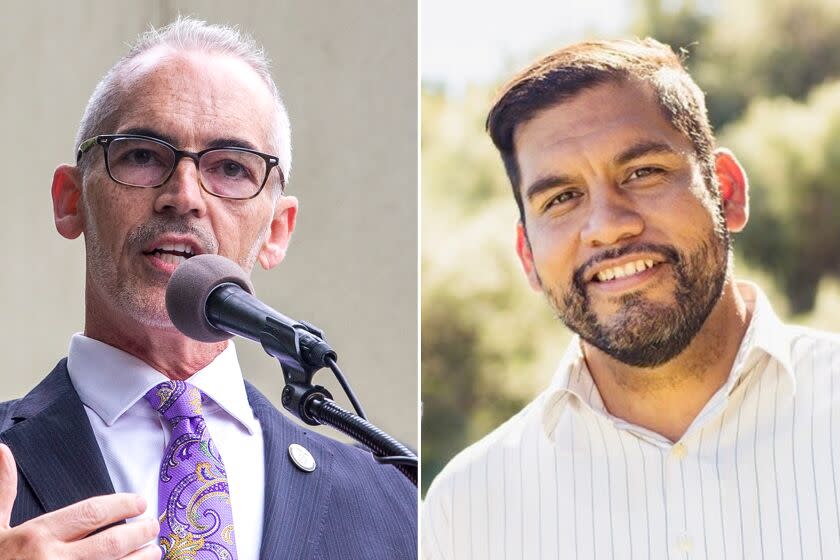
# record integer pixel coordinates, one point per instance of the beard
(134, 296)
(644, 333)
(130, 294)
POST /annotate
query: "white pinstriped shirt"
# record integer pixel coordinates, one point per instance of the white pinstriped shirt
(754, 477)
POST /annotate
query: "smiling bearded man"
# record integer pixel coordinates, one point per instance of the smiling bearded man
(685, 419)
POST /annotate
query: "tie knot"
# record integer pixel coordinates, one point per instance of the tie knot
(175, 400)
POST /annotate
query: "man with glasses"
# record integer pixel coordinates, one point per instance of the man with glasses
(227, 171)
(183, 150)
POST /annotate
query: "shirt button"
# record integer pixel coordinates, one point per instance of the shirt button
(679, 451)
(684, 544)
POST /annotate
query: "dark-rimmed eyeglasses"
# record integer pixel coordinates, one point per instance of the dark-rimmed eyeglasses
(143, 161)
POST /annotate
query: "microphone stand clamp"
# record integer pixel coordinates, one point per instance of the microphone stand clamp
(308, 342)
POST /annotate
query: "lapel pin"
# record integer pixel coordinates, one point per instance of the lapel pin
(302, 458)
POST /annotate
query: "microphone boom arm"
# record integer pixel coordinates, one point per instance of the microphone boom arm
(313, 404)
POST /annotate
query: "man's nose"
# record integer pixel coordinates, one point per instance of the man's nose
(612, 218)
(182, 193)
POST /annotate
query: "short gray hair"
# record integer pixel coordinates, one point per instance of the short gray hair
(187, 34)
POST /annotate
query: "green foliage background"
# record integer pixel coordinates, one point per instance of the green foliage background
(771, 71)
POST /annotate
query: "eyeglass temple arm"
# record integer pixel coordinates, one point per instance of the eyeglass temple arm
(83, 147)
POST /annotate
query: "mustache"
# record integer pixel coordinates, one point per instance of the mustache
(145, 233)
(668, 252)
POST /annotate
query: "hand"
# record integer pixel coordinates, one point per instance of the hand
(66, 533)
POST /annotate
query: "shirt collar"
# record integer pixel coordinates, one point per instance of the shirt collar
(110, 381)
(765, 335)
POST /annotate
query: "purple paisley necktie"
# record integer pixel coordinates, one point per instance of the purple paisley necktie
(196, 522)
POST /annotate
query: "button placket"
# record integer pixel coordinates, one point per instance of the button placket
(680, 541)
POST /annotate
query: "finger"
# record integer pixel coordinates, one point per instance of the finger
(117, 542)
(148, 552)
(82, 518)
(8, 485)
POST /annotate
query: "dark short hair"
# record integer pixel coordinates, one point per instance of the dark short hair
(565, 73)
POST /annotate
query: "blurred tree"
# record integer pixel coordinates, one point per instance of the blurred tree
(450, 380)
(749, 48)
(792, 152)
(682, 25)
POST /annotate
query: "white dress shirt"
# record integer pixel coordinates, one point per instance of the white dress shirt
(754, 477)
(133, 436)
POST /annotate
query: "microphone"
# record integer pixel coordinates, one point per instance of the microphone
(209, 298)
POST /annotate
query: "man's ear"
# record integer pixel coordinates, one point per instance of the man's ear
(282, 225)
(66, 198)
(734, 189)
(526, 257)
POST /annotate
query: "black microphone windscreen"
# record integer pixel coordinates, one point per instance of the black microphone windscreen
(190, 286)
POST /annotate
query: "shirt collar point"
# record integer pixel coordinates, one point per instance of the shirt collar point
(110, 381)
(769, 333)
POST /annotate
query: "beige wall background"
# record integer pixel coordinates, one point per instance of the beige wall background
(348, 73)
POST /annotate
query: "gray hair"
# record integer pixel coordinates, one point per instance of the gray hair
(187, 34)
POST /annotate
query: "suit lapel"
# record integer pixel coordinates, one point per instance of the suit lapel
(54, 445)
(295, 501)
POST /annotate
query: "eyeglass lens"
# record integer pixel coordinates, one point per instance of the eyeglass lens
(145, 163)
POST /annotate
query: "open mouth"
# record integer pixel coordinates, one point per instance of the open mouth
(172, 253)
(622, 271)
